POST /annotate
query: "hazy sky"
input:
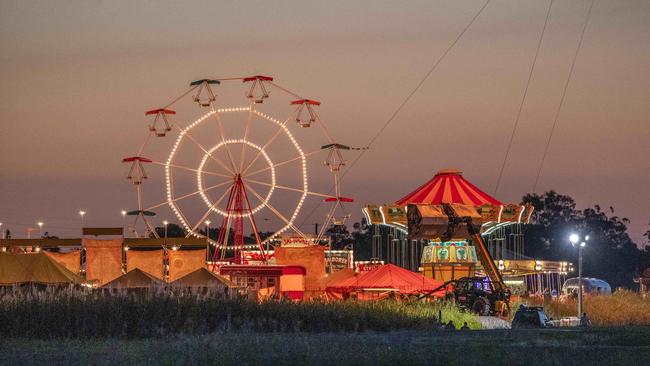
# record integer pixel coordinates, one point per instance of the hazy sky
(77, 75)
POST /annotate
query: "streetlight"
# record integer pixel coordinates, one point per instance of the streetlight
(207, 239)
(574, 239)
(123, 212)
(165, 223)
(82, 213)
(40, 228)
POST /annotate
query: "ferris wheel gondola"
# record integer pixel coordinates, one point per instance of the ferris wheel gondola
(161, 114)
(204, 86)
(309, 105)
(258, 90)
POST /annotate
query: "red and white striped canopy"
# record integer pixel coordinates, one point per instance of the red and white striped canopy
(448, 186)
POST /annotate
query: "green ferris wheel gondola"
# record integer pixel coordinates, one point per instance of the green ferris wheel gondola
(203, 86)
(208, 81)
(143, 212)
(335, 146)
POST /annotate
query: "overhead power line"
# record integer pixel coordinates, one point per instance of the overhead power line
(559, 107)
(405, 101)
(523, 100)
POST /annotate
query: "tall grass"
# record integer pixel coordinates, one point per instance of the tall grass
(74, 313)
(622, 308)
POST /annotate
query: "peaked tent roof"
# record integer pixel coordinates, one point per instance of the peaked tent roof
(34, 268)
(448, 186)
(390, 276)
(135, 278)
(202, 277)
(337, 278)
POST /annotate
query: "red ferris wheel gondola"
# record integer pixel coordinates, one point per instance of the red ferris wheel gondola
(137, 172)
(308, 104)
(161, 114)
(258, 91)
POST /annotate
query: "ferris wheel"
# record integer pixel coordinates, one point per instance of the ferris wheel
(234, 165)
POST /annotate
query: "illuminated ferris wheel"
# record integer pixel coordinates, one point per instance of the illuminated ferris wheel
(234, 165)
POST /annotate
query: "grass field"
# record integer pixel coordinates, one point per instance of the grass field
(601, 346)
(153, 314)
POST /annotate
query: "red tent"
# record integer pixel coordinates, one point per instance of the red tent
(389, 278)
(448, 186)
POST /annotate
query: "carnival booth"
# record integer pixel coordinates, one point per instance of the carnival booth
(267, 281)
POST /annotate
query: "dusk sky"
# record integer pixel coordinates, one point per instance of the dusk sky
(78, 75)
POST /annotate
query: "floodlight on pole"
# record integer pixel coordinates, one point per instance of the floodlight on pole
(82, 213)
(574, 239)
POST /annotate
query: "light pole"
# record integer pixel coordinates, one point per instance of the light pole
(574, 239)
(82, 213)
(165, 224)
(123, 212)
(3, 232)
(207, 240)
(40, 229)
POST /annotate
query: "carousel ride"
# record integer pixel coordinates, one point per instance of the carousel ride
(236, 159)
(448, 228)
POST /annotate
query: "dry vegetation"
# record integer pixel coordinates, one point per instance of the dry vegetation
(620, 309)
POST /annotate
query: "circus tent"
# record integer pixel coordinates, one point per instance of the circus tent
(387, 278)
(135, 278)
(34, 268)
(448, 186)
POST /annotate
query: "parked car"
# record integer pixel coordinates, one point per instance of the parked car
(531, 317)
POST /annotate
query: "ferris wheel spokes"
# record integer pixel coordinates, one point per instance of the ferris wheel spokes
(288, 188)
(218, 161)
(278, 214)
(192, 169)
(242, 153)
(267, 144)
(275, 165)
(223, 140)
(189, 195)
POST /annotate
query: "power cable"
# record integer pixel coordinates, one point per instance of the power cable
(523, 100)
(566, 85)
(404, 102)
